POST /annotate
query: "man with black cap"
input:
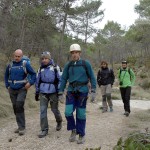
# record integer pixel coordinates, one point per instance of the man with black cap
(126, 81)
(47, 85)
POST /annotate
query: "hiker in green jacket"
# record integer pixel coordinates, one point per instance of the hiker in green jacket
(126, 81)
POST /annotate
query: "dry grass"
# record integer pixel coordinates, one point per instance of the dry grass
(6, 105)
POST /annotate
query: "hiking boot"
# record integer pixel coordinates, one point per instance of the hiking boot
(72, 136)
(126, 114)
(81, 139)
(59, 126)
(21, 132)
(111, 109)
(43, 134)
(16, 130)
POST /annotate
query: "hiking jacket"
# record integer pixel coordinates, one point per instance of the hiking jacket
(105, 76)
(45, 79)
(126, 77)
(78, 74)
(16, 73)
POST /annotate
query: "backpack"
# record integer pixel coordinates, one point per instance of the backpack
(129, 71)
(56, 80)
(25, 60)
(83, 65)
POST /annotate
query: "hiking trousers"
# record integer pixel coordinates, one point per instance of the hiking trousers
(44, 100)
(106, 96)
(18, 100)
(125, 94)
(76, 101)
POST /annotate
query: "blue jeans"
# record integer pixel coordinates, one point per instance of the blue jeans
(76, 101)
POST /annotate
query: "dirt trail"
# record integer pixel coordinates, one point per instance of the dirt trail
(103, 129)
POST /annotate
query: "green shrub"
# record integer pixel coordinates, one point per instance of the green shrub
(132, 60)
(135, 141)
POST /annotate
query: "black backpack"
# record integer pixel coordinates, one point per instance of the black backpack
(83, 64)
(129, 71)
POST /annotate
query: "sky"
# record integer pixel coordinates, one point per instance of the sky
(120, 11)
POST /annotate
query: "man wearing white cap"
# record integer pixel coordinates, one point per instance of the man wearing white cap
(78, 73)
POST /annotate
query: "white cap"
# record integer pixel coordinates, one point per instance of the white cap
(75, 47)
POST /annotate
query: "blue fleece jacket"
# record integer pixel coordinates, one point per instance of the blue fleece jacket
(15, 72)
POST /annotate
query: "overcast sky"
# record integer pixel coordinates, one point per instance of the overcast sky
(120, 11)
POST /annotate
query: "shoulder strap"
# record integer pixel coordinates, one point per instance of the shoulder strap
(24, 66)
(56, 80)
(86, 69)
(120, 70)
(83, 64)
(129, 70)
(40, 81)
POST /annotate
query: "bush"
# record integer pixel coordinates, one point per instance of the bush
(143, 75)
(135, 141)
(145, 84)
(132, 60)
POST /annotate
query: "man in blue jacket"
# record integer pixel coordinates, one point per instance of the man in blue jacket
(78, 72)
(17, 85)
(47, 85)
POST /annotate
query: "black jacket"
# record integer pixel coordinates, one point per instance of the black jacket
(105, 76)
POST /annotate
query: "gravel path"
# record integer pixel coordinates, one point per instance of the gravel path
(103, 130)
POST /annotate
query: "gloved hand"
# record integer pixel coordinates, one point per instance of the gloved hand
(93, 95)
(37, 96)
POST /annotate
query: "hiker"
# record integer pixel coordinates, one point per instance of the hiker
(47, 85)
(105, 80)
(78, 72)
(17, 84)
(126, 81)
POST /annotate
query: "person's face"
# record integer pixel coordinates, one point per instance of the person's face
(17, 57)
(75, 55)
(45, 61)
(124, 66)
(103, 65)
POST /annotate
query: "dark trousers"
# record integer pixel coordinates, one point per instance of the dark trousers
(76, 101)
(44, 100)
(125, 94)
(18, 100)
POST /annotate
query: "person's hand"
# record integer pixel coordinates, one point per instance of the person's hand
(27, 86)
(37, 96)
(93, 95)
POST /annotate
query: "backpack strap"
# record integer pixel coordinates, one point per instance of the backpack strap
(85, 67)
(24, 62)
(129, 71)
(83, 64)
(56, 80)
(40, 81)
(24, 66)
